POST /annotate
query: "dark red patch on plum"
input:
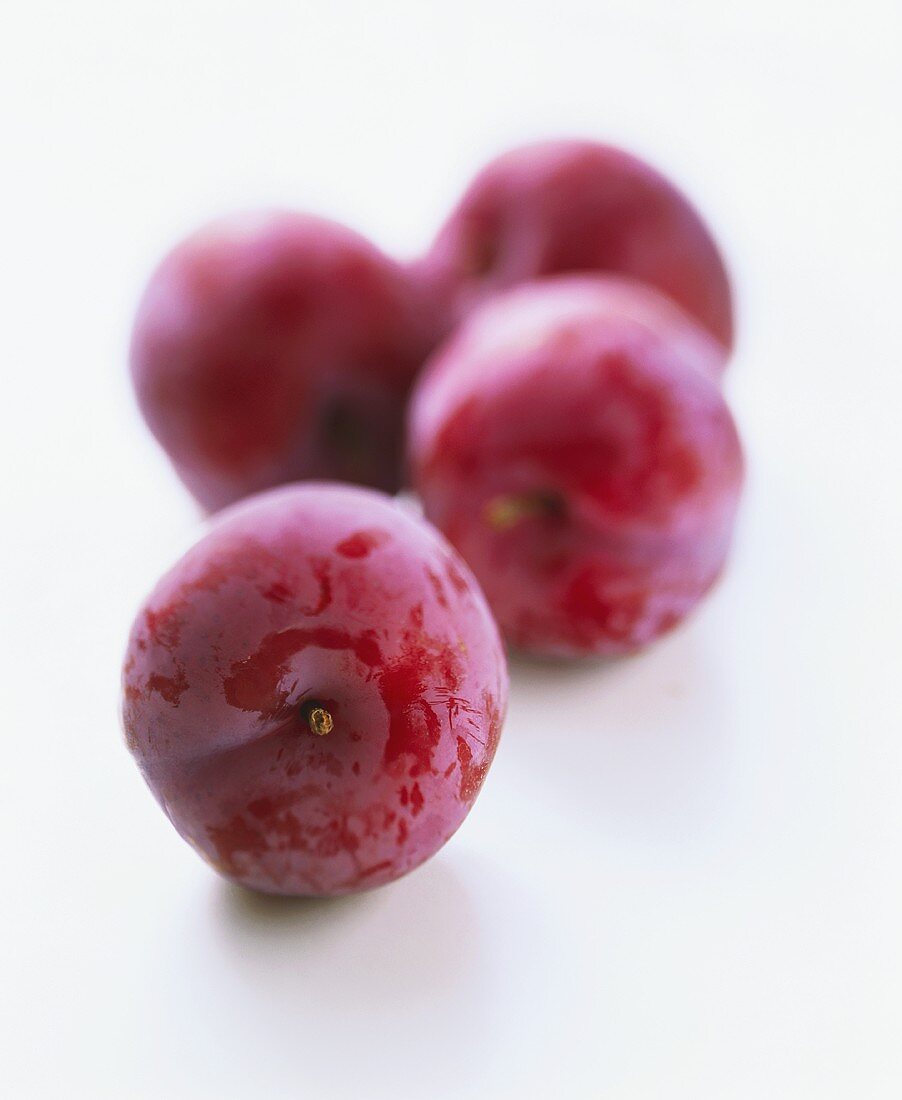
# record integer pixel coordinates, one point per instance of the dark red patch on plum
(237, 836)
(471, 775)
(164, 625)
(495, 719)
(361, 543)
(277, 592)
(592, 611)
(320, 569)
(368, 872)
(458, 580)
(254, 684)
(437, 587)
(170, 688)
(414, 726)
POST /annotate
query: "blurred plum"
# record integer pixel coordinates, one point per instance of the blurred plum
(273, 347)
(571, 206)
(571, 440)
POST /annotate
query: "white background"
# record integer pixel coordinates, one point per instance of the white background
(684, 877)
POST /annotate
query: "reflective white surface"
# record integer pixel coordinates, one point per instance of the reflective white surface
(684, 875)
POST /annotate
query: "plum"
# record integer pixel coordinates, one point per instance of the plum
(572, 441)
(274, 347)
(315, 692)
(571, 206)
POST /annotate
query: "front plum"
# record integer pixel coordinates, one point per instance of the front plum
(314, 693)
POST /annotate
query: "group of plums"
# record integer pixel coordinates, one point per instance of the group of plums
(315, 692)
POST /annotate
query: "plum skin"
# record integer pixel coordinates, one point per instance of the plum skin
(271, 347)
(318, 595)
(561, 207)
(572, 442)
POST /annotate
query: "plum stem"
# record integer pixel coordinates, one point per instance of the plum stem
(508, 509)
(317, 718)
